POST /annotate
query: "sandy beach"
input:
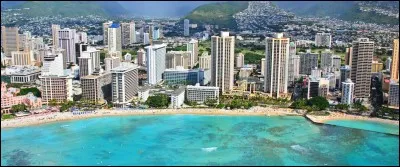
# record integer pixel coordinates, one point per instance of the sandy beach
(342, 116)
(55, 117)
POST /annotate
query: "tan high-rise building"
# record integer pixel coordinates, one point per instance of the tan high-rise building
(276, 65)
(262, 66)
(9, 39)
(193, 47)
(348, 56)
(58, 88)
(394, 70)
(205, 61)
(376, 66)
(363, 51)
(177, 58)
(96, 87)
(222, 61)
(22, 58)
(239, 60)
(54, 32)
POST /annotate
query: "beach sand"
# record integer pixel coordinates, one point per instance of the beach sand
(54, 117)
(342, 116)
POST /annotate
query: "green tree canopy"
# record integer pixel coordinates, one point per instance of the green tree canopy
(18, 108)
(319, 102)
(158, 101)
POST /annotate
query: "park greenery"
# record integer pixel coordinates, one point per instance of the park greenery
(158, 101)
(317, 103)
(18, 108)
(34, 90)
(7, 116)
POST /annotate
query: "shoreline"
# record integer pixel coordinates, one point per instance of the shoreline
(255, 111)
(68, 116)
(342, 116)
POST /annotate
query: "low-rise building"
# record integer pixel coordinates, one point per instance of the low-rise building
(23, 74)
(200, 94)
(143, 93)
(181, 76)
(178, 97)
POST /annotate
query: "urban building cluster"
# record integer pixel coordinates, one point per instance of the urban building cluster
(69, 65)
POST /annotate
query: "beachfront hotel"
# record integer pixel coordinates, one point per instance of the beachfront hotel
(394, 93)
(9, 98)
(155, 59)
(96, 87)
(124, 84)
(347, 92)
(222, 61)
(276, 65)
(363, 50)
(200, 94)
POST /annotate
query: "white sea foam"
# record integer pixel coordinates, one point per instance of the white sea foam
(209, 149)
(299, 148)
(64, 125)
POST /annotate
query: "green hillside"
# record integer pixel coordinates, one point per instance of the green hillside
(69, 8)
(217, 13)
(346, 10)
(354, 14)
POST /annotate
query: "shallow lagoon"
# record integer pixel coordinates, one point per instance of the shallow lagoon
(196, 140)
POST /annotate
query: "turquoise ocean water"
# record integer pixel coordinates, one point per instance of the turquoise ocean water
(367, 125)
(196, 140)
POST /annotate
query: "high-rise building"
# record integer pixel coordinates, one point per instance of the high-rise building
(326, 59)
(323, 39)
(54, 32)
(146, 38)
(308, 61)
(363, 51)
(57, 88)
(394, 70)
(388, 63)
(349, 56)
(344, 73)
(81, 37)
(96, 87)
(22, 58)
(336, 62)
(239, 60)
(394, 93)
(222, 61)
(316, 73)
(291, 66)
(79, 48)
(66, 41)
(151, 33)
(128, 33)
(114, 38)
(323, 87)
(178, 58)
(313, 88)
(9, 40)
(89, 61)
(193, 47)
(376, 66)
(347, 92)
(53, 63)
(276, 65)
(106, 25)
(262, 66)
(112, 62)
(141, 56)
(125, 85)
(205, 61)
(200, 94)
(295, 67)
(186, 27)
(155, 59)
(24, 41)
